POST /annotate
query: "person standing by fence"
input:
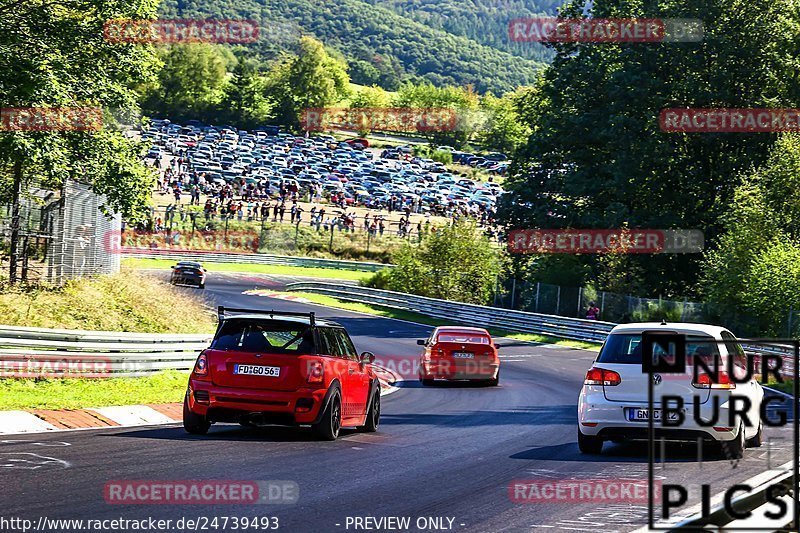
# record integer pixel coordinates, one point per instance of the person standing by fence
(593, 312)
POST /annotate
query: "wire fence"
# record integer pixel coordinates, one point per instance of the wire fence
(62, 235)
(576, 302)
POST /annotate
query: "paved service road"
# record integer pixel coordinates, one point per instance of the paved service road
(447, 451)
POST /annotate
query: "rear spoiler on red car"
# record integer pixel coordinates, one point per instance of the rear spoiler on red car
(221, 310)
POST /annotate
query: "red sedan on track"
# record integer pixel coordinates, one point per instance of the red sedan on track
(459, 353)
(268, 367)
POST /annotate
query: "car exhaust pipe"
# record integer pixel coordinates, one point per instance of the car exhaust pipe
(255, 419)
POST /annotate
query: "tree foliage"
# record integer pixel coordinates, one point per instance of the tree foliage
(753, 270)
(453, 263)
(387, 47)
(597, 158)
(192, 82)
(53, 54)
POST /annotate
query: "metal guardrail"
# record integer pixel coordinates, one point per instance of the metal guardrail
(753, 502)
(255, 259)
(30, 352)
(494, 317)
(491, 317)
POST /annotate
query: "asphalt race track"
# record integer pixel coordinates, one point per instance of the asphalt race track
(448, 451)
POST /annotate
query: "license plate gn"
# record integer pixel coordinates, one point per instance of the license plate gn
(644, 415)
(463, 355)
(257, 370)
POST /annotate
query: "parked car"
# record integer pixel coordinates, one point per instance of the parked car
(459, 353)
(270, 367)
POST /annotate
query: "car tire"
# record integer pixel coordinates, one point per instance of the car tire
(589, 444)
(426, 382)
(373, 414)
(495, 381)
(330, 424)
(734, 449)
(758, 439)
(193, 423)
(201, 286)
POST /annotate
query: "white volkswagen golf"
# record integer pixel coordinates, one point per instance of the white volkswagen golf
(613, 404)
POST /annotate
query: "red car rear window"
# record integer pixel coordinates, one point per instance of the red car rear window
(271, 337)
(463, 338)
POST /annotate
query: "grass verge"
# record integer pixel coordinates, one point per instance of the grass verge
(164, 387)
(281, 270)
(786, 386)
(128, 301)
(411, 316)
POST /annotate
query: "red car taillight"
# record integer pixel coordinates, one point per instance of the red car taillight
(316, 372)
(201, 366)
(600, 376)
(706, 381)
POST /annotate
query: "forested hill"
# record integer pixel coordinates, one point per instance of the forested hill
(483, 21)
(390, 43)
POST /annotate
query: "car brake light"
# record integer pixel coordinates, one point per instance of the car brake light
(201, 366)
(706, 381)
(315, 372)
(600, 376)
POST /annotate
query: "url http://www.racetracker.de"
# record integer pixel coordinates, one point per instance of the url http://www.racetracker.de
(198, 523)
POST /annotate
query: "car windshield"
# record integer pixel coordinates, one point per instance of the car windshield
(264, 336)
(463, 338)
(627, 348)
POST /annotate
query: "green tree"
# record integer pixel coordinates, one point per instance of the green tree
(462, 119)
(597, 158)
(456, 263)
(192, 83)
(53, 54)
(246, 103)
(368, 97)
(503, 130)
(748, 276)
(312, 78)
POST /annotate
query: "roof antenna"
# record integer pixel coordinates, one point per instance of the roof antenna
(664, 321)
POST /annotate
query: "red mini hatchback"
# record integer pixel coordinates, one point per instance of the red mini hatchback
(453, 352)
(269, 367)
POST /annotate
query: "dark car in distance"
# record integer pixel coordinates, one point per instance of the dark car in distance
(188, 273)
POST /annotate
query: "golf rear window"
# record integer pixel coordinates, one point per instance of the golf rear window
(262, 336)
(463, 338)
(627, 348)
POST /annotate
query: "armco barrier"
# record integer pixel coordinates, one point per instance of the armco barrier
(754, 502)
(493, 317)
(254, 259)
(31, 351)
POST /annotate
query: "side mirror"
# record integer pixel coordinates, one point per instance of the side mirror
(496, 346)
(367, 358)
(421, 342)
(173, 267)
